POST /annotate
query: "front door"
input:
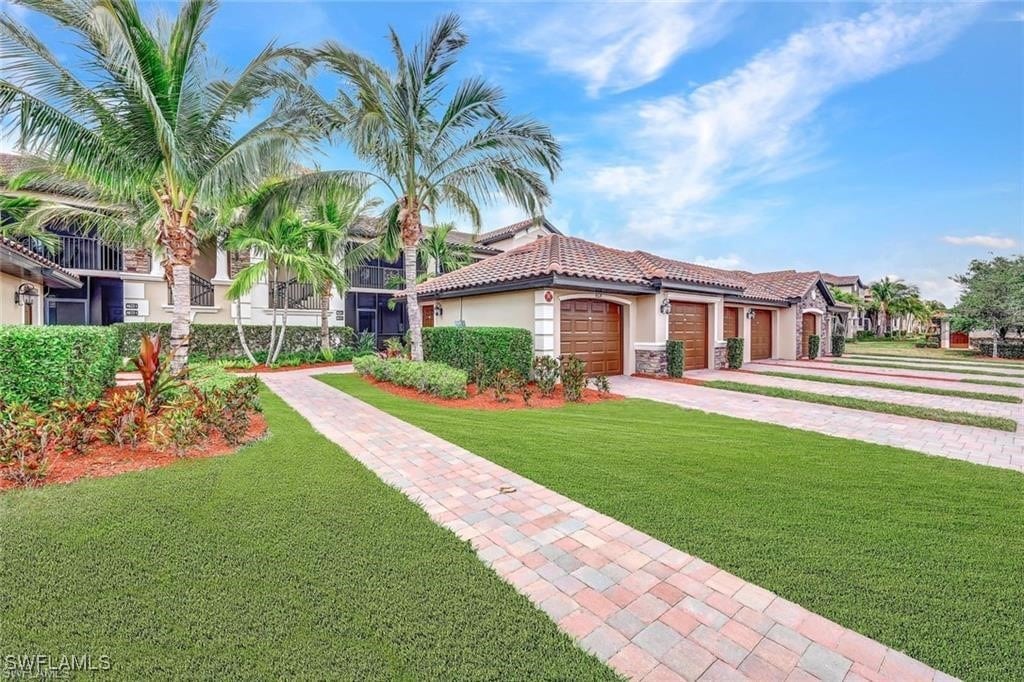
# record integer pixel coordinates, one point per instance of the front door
(810, 328)
(732, 323)
(428, 316)
(689, 323)
(761, 335)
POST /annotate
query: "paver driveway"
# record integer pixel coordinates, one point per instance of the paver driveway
(649, 610)
(973, 444)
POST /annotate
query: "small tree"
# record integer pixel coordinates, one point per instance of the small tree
(438, 250)
(992, 296)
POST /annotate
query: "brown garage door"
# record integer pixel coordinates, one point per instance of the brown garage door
(591, 329)
(732, 322)
(809, 328)
(761, 335)
(689, 322)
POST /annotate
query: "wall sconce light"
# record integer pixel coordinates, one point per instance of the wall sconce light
(666, 306)
(438, 310)
(26, 295)
(750, 313)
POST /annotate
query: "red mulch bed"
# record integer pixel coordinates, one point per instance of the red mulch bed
(109, 460)
(487, 401)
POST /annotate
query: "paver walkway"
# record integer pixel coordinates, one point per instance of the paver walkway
(1008, 410)
(805, 367)
(973, 444)
(949, 378)
(648, 610)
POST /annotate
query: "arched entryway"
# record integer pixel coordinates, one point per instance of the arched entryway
(591, 329)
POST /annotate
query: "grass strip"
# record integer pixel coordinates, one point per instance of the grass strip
(287, 559)
(915, 360)
(922, 553)
(886, 350)
(925, 368)
(973, 395)
(986, 382)
(930, 413)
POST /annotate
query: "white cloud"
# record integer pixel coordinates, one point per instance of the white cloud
(728, 262)
(680, 153)
(621, 46)
(986, 240)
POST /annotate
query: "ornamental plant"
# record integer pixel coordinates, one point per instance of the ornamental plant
(838, 345)
(813, 346)
(602, 385)
(574, 377)
(545, 372)
(675, 357)
(734, 352)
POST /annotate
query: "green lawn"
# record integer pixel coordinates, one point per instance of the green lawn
(951, 393)
(286, 560)
(922, 553)
(930, 413)
(907, 349)
(925, 368)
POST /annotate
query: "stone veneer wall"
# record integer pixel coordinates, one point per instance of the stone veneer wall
(237, 261)
(819, 303)
(721, 357)
(652, 362)
(137, 259)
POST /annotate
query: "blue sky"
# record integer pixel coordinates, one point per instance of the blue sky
(852, 138)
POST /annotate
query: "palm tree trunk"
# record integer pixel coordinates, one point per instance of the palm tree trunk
(412, 305)
(325, 311)
(284, 327)
(241, 331)
(181, 320)
(273, 312)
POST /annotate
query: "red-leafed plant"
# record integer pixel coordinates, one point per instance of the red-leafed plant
(157, 382)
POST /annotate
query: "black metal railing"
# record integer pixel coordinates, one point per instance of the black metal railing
(373, 276)
(200, 291)
(75, 252)
(300, 295)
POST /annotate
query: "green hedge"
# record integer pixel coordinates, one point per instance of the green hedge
(813, 346)
(675, 354)
(734, 352)
(220, 341)
(39, 365)
(838, 345)
(434, 378)
(1012, 350)
(497, 348)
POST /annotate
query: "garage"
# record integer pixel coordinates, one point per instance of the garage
(761, 335)
(591, 329)
(809, 328)
(689, 323)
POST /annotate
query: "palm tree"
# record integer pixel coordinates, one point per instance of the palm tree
(284, 248)
(147, 126)
(428, 145)
(884, 293)
(435, 248)
(342, 211)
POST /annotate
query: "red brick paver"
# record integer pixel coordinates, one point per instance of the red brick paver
(604, 583)
(970, 443)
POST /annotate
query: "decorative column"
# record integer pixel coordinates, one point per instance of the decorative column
(544, 322)
(221, 276)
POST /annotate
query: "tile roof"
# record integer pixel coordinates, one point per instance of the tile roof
(781, 285)
(22, 250)
(559, 254)
(368, 228)
(840, 280)
(505, 232)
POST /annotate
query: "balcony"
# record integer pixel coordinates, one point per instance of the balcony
(75, 252)
(200, 291)
(373, 277)
(299, 296)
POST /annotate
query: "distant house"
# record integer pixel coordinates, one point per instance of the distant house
(616, 309)
(859, 317)
(24, 278)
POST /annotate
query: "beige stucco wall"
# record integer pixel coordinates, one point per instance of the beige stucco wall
(507, 309)
(160, 311)
(11, 313)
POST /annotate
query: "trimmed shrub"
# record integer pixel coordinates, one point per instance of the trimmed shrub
(838, 345)
(496, 348)
(39, 365)
(734, 352)
(545, 373)
(1009, 349)
(220, 341)
(434, 378)
(676, 357)
(574, 377)
(813, 346)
